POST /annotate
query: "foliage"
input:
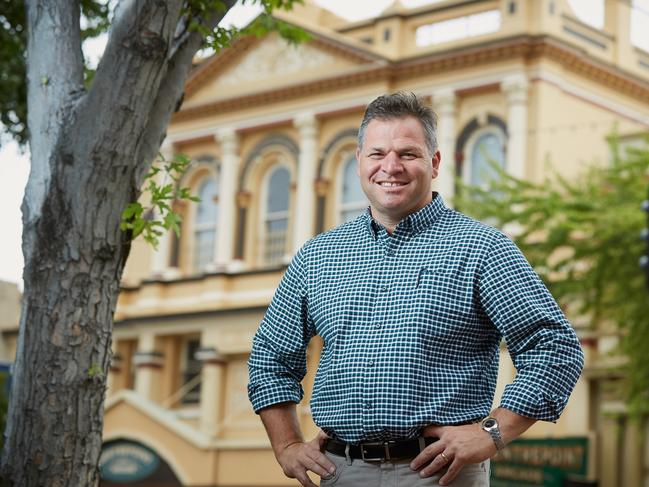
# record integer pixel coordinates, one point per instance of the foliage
(13, 89)
(582, 237)
(95, 371)
(158, 216)
(13, 52)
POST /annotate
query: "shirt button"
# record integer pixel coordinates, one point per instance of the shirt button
(370, 362)
(384, 289)
(378, 325)
(390, 253)
(368, 405)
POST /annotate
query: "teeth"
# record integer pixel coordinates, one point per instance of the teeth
(390, 185)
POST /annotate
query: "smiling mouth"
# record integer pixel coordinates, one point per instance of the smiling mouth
(391, 184)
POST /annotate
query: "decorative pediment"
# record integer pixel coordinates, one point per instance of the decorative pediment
(275, 57)
(255, 65)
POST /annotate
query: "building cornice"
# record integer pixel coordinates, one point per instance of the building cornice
(524, 47)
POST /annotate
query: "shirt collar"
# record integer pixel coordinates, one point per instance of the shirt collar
(413, 223)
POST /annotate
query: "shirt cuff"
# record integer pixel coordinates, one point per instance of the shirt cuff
(533, 403)
(262, 396)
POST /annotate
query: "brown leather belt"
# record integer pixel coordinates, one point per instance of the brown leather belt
(380, 451)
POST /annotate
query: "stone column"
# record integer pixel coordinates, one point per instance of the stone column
(444, 102)
(515, 88)
(212, 388)
(303, 225)
(227, 195)
(148, 362)
(160, 261)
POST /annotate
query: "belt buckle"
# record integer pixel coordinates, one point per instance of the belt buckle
(386, 451)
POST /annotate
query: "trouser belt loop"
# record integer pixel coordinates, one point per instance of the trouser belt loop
(349, 459)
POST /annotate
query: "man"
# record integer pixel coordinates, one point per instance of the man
(411, 299)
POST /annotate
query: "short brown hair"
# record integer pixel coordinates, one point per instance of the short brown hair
(398, 105)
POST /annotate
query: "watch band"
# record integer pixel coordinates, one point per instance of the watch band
(490, 425)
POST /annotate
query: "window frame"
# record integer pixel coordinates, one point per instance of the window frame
(345, 157)
(279, 163)
(205, 226)
(184, 370)
(467, 161)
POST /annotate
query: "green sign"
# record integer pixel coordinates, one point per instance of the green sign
(540, 462)
(127, 461)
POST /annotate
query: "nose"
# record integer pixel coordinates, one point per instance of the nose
(391, 163)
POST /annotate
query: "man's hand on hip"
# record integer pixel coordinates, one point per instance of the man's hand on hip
(457, 446)
(300, 457)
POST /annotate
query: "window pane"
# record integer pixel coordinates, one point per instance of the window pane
(278, 190)
(204, 242)
(352, 190)
(487, 150)
(192, 370)
(275, 244)
(207, 211)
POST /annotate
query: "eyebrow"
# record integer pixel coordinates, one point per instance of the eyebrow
(410, 148)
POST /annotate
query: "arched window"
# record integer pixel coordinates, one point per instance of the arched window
(484, 150)
(275, 216)
(205, 224)
(352, 199)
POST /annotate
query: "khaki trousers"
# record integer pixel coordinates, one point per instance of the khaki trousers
(397, 474)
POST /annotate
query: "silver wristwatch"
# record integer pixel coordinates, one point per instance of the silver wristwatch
(490, 425)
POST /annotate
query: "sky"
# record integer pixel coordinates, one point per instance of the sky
(14, 166)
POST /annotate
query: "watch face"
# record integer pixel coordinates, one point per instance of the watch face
(489, 423)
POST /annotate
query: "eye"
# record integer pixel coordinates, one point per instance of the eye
(409, 155)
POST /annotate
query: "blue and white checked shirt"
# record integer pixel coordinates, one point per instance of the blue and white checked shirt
(411, 324)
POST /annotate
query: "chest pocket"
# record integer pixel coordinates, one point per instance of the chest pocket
(437, 289)
(428, 275)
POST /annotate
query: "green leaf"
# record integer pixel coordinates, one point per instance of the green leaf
(581, 235)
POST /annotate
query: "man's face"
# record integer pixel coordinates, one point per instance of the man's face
(396, 169)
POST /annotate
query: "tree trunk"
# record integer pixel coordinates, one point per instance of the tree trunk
(90, 151)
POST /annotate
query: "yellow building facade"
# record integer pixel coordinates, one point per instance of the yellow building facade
(271, 130)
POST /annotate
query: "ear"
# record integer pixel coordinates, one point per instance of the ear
(435, 161)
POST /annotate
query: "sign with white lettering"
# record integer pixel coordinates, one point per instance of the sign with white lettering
(127, 461)
(544, 462)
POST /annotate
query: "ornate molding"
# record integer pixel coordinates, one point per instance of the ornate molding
(516, 88)
(221, 62)
(527, 47)
(229, 141)
(444, 102)
(321, 186)
(307, 125)
(243, 199)
(340, 138)
(270, 141)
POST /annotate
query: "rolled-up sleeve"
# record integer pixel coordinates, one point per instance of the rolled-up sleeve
(543, 346)
(277, 363)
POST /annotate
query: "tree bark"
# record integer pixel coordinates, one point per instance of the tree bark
(90, 152)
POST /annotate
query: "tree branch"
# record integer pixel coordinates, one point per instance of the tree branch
(173, 86)
(131, 70)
